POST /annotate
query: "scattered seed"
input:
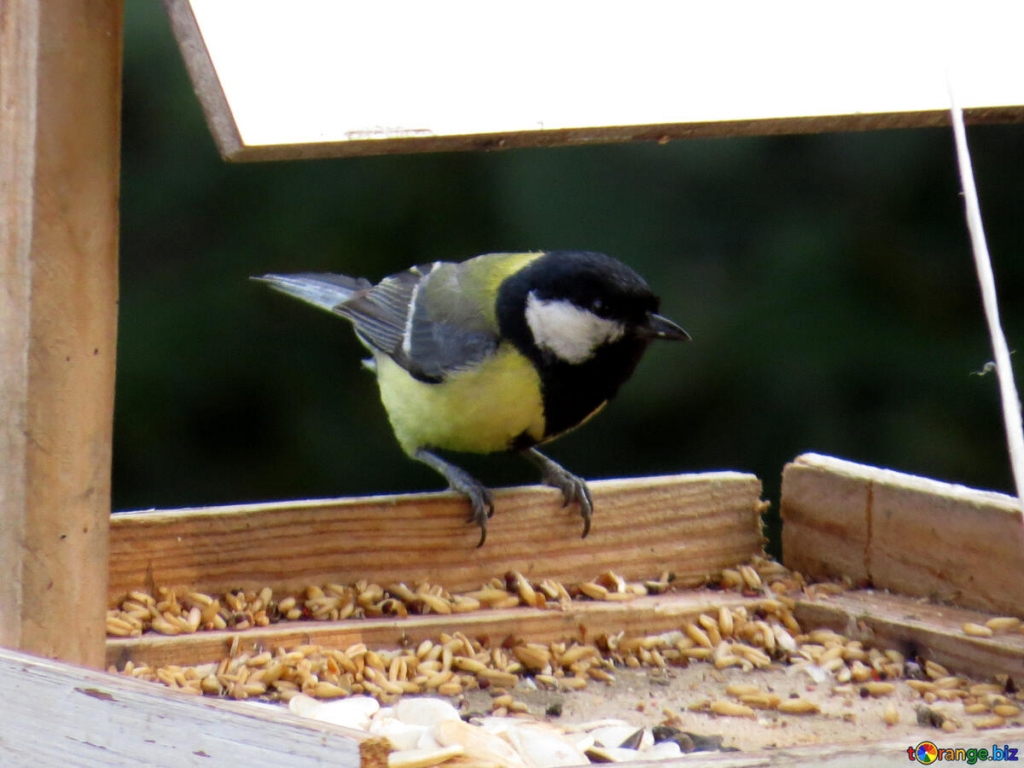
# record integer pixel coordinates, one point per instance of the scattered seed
(798, 706)
(993, 721)
(732, 709)
(977, 630)
(761, 700)
(698, 635)
(1004, 624)
(742, 689)
(890, 714)
(750, 577)
(594, 591)
(876, 688)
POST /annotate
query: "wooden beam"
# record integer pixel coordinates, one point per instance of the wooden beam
(582, 621)
(114, 720)
(692, 525)
(918, 628)
(60, 98)
(903, 533)
(108, 719)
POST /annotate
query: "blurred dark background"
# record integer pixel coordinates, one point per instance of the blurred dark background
(826, 280)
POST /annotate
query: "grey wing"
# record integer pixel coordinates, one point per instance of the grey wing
(391, 318)
(449, 331)
(380, 315)
(424, 320)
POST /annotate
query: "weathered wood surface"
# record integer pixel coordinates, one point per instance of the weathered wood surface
(903, 533)
(692, 525)
(60, 97)
(65, 715)
(891, 753)
(919, 628)
(582, 620)
(94, 719)
(581, 74)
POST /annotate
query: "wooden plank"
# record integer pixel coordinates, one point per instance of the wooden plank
(60, 81)
(581, 621)
(577, 74)
(693, 525)
(107, 719)
(918, 628)
(204, 78)
(94, 719)
(903, 533)
(891, 753)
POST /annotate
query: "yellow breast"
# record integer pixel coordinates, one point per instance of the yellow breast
(481, 410)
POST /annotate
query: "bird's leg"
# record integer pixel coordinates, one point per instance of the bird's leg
(460, 480)
(573, 488)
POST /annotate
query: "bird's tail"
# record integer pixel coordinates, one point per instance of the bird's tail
(321, 289)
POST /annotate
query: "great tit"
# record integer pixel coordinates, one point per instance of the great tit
(502, 352)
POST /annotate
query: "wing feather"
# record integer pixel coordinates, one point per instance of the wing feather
(433, 320)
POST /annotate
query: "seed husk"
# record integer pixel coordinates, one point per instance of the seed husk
(732, 709)
(725, 622)
(742, 689)
(761, 700)
(877, 688)
(594, 591)
(798, 706)
(1004, 624)
(976, 630)
(698, 635)
(533, 656)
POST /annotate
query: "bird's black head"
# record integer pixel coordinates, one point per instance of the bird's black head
(585, 320)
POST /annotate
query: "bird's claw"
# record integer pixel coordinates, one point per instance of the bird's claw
(481, 501)
(482, 504)
(573, 488)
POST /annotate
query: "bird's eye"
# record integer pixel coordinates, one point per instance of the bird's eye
(597, 306)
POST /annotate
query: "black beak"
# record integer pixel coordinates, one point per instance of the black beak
(658, 327)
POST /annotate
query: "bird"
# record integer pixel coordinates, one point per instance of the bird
(502, 352)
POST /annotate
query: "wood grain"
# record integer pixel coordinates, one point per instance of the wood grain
(582, 621)
(903, 533)
(918, 628)
(692, 525)
(60, 81)
(108, 719)
(113, 720)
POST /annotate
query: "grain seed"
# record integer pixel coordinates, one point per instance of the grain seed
(976, 630)
(876, 688)
(593, 591)
(797, 706)
(732, 709)
(1004, 624)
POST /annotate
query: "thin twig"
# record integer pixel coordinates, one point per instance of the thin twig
(1004, 371)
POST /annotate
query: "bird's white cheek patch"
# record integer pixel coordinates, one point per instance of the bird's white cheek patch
(570, 333)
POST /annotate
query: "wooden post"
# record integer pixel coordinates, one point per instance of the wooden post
(60, 98)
